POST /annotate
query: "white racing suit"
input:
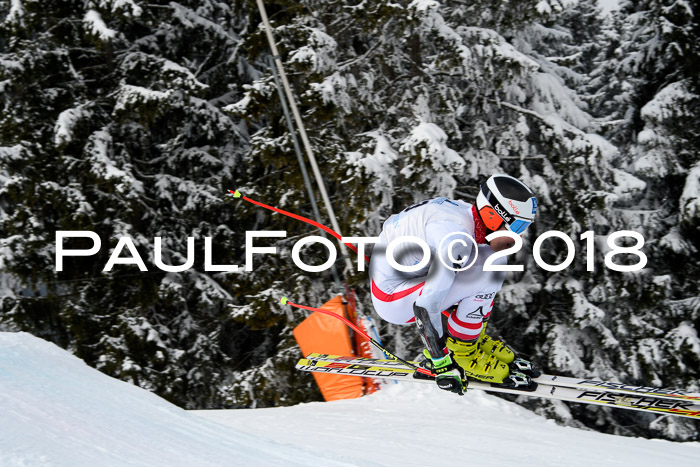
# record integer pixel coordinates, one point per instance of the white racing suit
(441, 223)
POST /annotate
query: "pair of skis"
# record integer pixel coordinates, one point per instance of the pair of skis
(588, 391)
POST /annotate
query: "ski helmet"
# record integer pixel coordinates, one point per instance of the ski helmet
(503, 198)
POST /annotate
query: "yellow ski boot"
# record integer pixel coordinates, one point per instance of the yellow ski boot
(505, 354)
(477, 364)
(496, 348)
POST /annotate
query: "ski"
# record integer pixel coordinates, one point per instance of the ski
(590, 383)
(639, 402)
(544, 379)
(354, 369)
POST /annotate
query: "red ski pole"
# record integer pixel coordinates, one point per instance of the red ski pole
(237, 194)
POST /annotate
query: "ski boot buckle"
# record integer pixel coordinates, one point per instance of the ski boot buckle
(520, 365)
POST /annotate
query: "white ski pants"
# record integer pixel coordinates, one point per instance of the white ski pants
(394, 293)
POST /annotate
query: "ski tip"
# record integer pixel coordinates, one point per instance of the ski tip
(236, 194)
(284, 300)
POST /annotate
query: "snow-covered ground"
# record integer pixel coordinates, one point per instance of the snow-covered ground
(55, 410)
(398, 425)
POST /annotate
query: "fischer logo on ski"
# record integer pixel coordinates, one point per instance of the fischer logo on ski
(642, 389)
(641, 401)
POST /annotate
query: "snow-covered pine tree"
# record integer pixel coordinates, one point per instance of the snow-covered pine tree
(111, 122)
(648, 86)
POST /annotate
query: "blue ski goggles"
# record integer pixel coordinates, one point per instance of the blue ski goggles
(518, 226)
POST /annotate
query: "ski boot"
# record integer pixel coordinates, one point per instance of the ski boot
(477, 364)
(496, 348)
(487, 368)
(506, 355)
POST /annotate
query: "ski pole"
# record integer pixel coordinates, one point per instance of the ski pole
(425, 371)
(237, 194)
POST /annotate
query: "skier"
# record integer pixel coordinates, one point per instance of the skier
(439, 283)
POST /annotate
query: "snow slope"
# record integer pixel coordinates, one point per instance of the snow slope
(55, 410)
(481, 430)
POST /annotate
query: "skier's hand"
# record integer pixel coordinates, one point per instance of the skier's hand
(449, 375)
(453, 381)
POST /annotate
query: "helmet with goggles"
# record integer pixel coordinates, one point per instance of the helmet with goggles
(506, 200)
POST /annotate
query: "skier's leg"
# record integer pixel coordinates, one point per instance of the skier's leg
(393, 292)
(464, 327)
(489, 283)
(468, 323)
(474, 291)
(393, 296)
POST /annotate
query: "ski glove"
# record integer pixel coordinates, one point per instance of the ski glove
(449, 375)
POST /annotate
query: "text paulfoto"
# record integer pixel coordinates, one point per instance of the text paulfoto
(455, 264)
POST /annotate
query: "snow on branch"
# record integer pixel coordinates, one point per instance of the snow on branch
(191, 19)
(97, 26)
(690, 199)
